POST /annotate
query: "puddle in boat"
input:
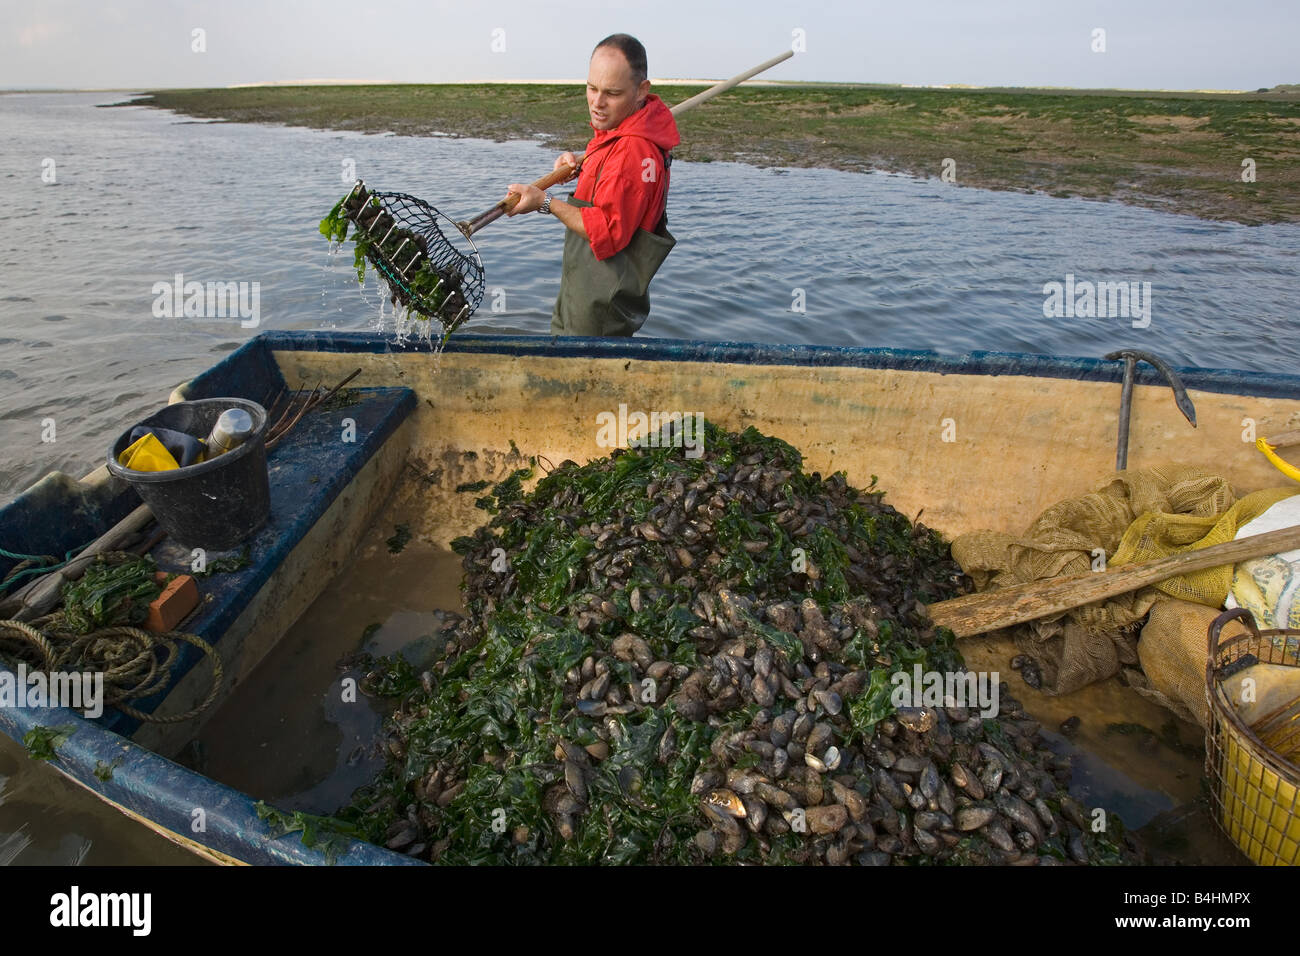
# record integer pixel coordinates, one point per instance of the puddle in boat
(285, 734)
(1129, 757)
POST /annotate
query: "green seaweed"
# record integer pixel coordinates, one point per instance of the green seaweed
(334, 226)
(329, 834)
(227, 565)
(110, 594)
(42, 742)
(343, 398)
(401, 537)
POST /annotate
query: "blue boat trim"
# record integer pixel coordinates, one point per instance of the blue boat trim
(1234, 381)
(168, 794)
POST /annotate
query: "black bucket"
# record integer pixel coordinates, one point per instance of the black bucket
(215, 504)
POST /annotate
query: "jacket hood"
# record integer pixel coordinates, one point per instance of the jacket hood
(654, 122)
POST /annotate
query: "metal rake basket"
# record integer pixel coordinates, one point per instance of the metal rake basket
(409, 243)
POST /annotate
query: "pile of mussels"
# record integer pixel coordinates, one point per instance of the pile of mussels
(680, 660)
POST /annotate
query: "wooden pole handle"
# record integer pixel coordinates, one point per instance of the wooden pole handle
(987, 611)
(712, 91)
(1283, 439)
(545, 183)
(470, 226)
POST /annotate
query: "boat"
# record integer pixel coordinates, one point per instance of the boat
(972, 440)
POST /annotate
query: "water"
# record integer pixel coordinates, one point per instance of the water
(882, 260)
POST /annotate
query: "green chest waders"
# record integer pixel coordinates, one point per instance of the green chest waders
(610, 296)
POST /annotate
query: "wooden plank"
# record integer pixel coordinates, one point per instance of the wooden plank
(1283, 439)
(990, 610)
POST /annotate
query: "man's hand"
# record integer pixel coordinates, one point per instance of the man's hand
(567, 159)
(530, 198)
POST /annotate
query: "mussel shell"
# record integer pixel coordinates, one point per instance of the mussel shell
(575, 778)
(706, 780)
(917, 719)
(929, 781)
(727, 801)
(889, 788)
(830, 701)
(974, 817)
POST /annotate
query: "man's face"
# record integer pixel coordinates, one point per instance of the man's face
(611, 95)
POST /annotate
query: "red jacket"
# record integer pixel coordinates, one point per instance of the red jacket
(631, 191)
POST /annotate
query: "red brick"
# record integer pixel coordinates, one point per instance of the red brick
(177, 600)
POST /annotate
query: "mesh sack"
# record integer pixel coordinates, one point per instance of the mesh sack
(1134, 515)
(1158, 535)
(1173, 651)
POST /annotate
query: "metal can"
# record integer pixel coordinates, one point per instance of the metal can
(233, 428)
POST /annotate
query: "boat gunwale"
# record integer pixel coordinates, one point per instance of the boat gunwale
(973, 362)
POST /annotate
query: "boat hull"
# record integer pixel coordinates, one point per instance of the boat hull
(981, 440)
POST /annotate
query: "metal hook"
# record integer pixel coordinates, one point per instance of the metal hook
(1131, 357)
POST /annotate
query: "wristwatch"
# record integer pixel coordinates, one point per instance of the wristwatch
(546, 204)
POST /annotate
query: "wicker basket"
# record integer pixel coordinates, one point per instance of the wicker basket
(1255, 791)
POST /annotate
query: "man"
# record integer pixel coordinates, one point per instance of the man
(616, 234)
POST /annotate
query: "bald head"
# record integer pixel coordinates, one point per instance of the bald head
(616, 81)
(632, 51)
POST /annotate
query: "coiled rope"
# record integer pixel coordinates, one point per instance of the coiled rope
(128, 657)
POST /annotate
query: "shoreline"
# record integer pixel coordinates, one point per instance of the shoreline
(1181, 152)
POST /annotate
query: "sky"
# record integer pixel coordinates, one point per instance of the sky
(1148, 44)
